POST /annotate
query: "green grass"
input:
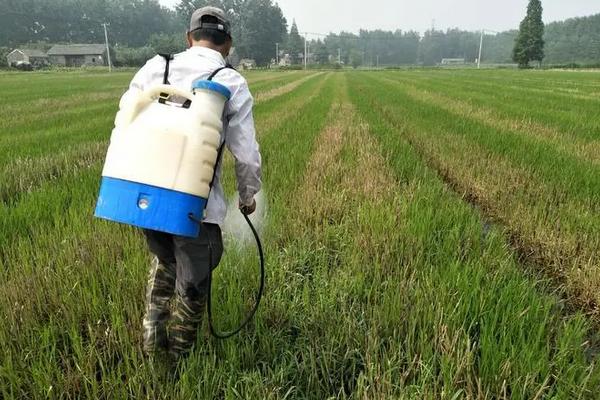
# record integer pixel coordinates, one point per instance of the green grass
(383, 280)
(546, 196)
(555, 104)
(471, 288)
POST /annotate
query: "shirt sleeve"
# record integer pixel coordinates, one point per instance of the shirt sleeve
(241, 142)
(138, 83)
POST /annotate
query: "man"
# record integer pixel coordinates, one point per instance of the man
(181, 266)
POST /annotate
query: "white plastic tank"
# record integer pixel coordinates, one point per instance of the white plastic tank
(161, 159)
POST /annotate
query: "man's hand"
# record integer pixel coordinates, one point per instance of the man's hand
(248, 210)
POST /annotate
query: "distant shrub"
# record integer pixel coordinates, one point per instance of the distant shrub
(133, 57)
(23, 66)
(326, 66)
(400, 67)
(574, 66)
(292, 68)
(299, 67)
(3, 53)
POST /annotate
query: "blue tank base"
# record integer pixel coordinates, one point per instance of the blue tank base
(149, 207)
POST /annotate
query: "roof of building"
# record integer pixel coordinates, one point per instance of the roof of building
(31, 52)
(77, 49)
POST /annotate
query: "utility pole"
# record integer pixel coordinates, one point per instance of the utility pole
(483, 31)
(480, 50)
(305, 52)
(107, 47)
(377, 60)
(340, 56)
(276, 53)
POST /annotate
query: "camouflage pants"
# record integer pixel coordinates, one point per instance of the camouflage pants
(178, 275)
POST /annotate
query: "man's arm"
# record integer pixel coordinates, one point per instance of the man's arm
(139, 82)
(241, 141)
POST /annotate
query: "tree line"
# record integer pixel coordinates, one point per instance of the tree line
(574, 41)
(140, 28)
(137, 28)
(132, 22)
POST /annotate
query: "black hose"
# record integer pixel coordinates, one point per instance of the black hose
(259, 294)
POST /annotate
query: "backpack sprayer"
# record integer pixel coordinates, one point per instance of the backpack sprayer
(161, 166)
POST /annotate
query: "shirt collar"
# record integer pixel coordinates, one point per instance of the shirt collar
(209, 53)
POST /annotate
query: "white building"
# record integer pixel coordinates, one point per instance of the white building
(453, 61)
(35, 58)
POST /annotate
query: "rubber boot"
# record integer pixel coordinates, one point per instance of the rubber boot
(187, 316)
(161, 287)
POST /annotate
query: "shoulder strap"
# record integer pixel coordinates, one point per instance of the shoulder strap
(215, 72)
(210, 78)
(168, 58)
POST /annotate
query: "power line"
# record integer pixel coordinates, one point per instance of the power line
(353, 37)
(53, 18)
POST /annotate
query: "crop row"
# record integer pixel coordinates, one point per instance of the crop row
(72, 286)
(382, 282)
(546, 196)
(45, 145)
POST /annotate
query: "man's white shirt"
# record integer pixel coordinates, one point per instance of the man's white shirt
(238, 121)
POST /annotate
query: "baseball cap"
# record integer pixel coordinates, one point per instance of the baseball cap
(222, 25)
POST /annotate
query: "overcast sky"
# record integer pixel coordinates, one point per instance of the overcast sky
(324, 16)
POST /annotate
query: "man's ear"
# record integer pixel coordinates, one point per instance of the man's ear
(189, 40)
(228, 47)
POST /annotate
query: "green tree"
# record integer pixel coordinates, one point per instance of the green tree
(356, 58)
(431, 47)
(498, 48)
(392, 48)
(79, 21)
(576, 40)
(321, 52)
(263, 26)
(4, 51)
(295, 44)
(520, 53)
(132, 57)
(167, 43)
(256, 24)
(529, 45)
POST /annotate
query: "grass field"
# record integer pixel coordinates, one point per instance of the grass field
(430, 234)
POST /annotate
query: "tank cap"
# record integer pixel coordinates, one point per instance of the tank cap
(213, 86)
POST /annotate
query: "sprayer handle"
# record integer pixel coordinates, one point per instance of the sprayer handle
(148, 97)
(156, 91)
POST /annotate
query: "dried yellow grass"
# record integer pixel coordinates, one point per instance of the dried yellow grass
(335, 187)
(282, 90)
(276, 119)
